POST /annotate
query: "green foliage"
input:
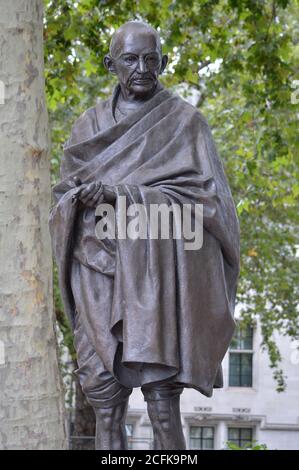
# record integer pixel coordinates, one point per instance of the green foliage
(61, 318)
(241, 57)
(250, 446)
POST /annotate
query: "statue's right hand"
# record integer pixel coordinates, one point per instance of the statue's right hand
(90, 194)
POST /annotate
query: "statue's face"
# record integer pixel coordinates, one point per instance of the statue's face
(137, 62)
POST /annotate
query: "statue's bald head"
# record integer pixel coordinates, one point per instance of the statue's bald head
(130, 30)
(136, 58)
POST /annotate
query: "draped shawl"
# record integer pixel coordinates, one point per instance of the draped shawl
(169, 311)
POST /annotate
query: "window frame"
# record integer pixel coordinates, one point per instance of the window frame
(201, 438)
(239, 351)
(240, 439)
(130, 438)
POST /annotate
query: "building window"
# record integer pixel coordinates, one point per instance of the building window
(241, 437)
(240, 358)
(130, 431)
(201, 437)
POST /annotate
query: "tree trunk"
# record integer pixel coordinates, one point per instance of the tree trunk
(31, 405)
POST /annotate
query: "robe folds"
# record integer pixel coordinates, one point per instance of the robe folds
(159, 311)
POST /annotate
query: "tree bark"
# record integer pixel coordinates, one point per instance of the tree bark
(31, 404)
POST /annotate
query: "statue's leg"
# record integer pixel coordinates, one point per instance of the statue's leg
(110, 427)
(105, 394)
(163, 406)
(109, 400)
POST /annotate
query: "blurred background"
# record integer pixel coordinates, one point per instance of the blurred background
(238, 62)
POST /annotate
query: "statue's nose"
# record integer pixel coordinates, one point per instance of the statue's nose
(141, 65)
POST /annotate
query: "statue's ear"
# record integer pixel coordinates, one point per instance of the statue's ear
(164, 62)
(109, 63)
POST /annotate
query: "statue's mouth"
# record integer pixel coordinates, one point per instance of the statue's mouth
(142, 81)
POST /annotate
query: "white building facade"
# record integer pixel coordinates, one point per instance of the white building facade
(246, 410)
